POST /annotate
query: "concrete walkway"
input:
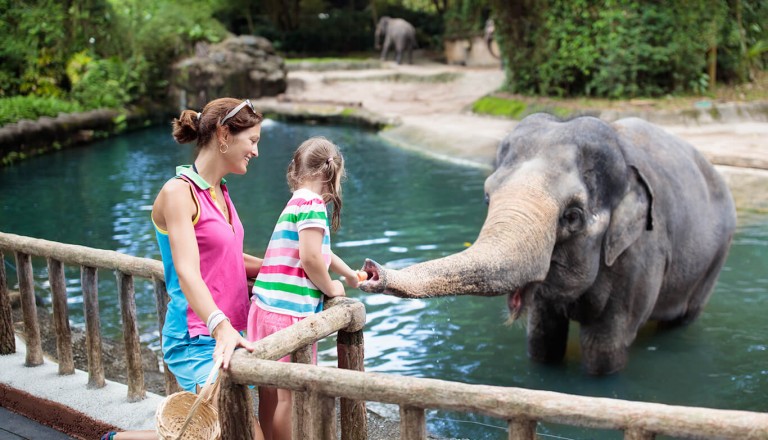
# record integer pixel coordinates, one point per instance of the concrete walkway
(101, 408)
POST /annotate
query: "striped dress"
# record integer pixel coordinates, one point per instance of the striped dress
(282, 286)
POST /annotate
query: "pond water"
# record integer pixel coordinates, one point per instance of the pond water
(399, 208)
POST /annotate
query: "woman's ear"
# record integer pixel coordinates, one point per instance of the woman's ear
(222, 134)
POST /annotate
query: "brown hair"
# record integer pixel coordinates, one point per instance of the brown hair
(317, 157)
(201, 127)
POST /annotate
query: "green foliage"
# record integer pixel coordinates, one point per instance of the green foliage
(624, 48)
(103, 85)
(99, 53)
(32, 107)
(495, 106)
(466, 17)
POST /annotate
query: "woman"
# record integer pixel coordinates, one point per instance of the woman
(201, 244)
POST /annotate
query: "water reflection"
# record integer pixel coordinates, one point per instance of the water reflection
(399, 208)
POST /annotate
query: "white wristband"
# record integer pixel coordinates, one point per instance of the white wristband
(214, 319)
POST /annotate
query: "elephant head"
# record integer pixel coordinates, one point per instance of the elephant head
(381, 31)
(573, 232)
(554, 207)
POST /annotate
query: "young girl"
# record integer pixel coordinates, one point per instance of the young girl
(294, 276)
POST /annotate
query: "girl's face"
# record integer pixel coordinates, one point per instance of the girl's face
(243, 147)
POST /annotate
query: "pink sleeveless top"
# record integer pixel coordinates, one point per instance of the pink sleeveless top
(220, 243)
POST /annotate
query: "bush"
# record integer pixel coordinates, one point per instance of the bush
(32, 107)
(625, 48)
(103, 84)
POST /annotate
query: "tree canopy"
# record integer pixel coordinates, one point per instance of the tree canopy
(111, 53)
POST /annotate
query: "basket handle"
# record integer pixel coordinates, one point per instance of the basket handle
(205, 393)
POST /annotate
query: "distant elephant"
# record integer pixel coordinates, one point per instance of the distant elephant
(397, 32)
(609, 225)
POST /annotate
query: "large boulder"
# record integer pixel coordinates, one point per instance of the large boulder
(243, 66)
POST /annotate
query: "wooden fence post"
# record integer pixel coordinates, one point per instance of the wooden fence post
(301, 420)
(413, 423)
(161, 303)
(89, 283)
(126, 292)
(29, 309)
(7, 337)
(522, 429)
(61, 316)
(235, 409)
(323, 416)
(351, 351)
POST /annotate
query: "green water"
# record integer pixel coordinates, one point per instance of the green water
(399, 208)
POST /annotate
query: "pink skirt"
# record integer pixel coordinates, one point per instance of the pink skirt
(262, 323)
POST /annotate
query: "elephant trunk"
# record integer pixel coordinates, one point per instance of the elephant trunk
(513, 249)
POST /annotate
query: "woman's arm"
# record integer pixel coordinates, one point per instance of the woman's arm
(311, 256)
(177, 209)
(252, 265)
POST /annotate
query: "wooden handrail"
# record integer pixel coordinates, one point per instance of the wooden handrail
(505, 403)
(83, 256)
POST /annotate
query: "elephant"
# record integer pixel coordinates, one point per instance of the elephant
(610, 225)
(397, 32)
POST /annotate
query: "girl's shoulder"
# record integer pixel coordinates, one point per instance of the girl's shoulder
(303, 196)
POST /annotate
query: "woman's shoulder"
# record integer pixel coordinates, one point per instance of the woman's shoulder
(175, 191)
(175, 185)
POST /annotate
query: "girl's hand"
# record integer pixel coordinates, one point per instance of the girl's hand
(227, 339)
(355, 280)
(337, 289)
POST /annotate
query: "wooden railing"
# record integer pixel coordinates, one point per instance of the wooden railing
(521, 408)
(316, 388)
(89, 260)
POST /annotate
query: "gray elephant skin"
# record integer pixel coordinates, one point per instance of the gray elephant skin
(609, 225)
(398, 33)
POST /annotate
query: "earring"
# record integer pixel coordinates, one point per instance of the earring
(226, 148)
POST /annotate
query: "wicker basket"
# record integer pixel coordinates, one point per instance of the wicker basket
(187, 416)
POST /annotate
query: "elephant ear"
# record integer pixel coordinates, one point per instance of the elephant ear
(630, 218)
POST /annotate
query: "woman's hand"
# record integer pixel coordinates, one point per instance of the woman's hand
(227, 340)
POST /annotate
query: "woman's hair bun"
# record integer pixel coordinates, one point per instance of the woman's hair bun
(186, 127)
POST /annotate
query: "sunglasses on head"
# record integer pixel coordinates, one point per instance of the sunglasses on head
(237, 109)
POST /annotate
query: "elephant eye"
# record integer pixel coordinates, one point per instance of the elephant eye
(487, 199)
(573, 219)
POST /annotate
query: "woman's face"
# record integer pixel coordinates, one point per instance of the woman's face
(243, 147)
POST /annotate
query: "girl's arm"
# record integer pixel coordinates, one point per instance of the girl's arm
(178, 208)
(311, 256)
(252, 265)
(340, 267)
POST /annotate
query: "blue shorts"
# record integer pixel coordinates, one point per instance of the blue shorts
(189, 359)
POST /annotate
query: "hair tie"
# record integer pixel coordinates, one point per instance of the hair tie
(329, 160)
(199, 114)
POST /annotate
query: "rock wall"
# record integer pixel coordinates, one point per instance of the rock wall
(27, 138)
(245, 66)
